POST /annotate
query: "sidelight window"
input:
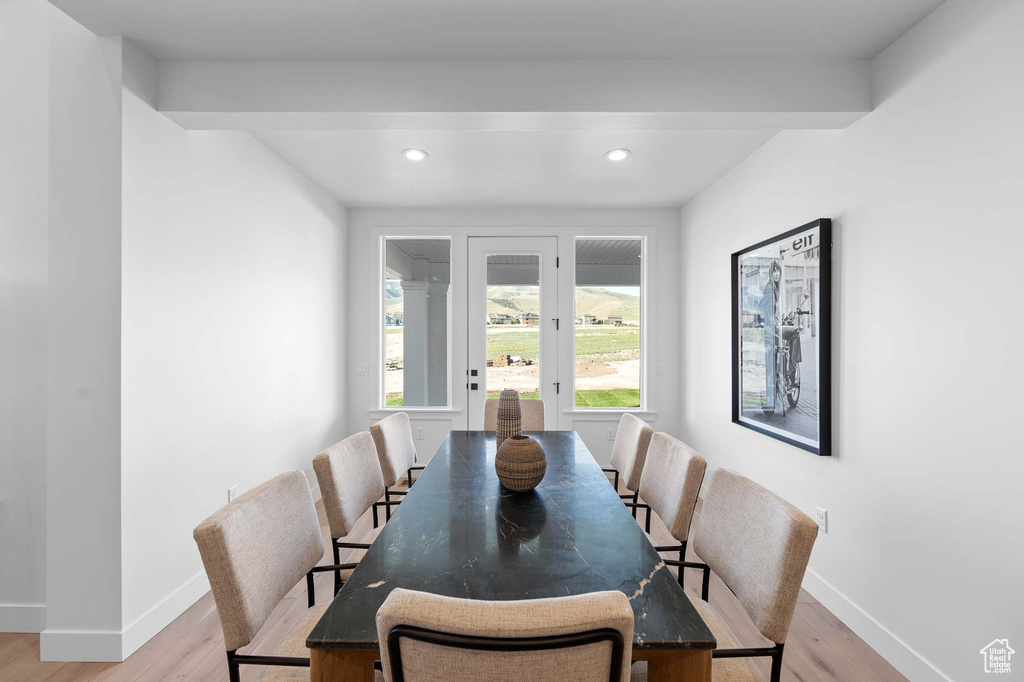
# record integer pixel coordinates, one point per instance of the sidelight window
(609, 323)
(417, 282)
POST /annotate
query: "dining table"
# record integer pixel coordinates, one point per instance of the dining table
(459, 533)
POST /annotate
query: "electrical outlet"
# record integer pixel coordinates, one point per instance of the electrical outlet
(611, 433)
(362, 369)
(822, 519)
(232, 493)
(419, 433)
(661, 369)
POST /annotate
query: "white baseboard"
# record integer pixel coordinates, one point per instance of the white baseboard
(162, 613)
(91, 645)
(22, 617)
(900, 655)
(80, 645)
(890, 647)
(116, 646)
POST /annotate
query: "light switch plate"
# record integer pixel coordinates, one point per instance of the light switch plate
(232, 493)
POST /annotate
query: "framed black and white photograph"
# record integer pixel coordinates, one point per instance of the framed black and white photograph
(781, 319)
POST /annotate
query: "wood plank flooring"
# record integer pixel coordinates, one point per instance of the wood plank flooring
(820, 648)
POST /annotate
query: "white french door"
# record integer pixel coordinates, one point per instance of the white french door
(513, 322)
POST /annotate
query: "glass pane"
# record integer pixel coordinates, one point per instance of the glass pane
(416, 294)
(513, 325)
(608, 325)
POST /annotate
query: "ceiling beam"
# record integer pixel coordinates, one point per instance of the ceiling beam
(516, 95)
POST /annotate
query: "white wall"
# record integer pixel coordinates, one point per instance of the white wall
(661, 226)
(83, 567)
(233, 317)
(923, 555)
(23, 264)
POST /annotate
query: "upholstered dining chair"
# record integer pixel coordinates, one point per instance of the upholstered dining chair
(396, 452)
(350, 483)
(587, 638)
(629, 452)
(759, 545)
(532, 410)
(255, 550)
(669, 486)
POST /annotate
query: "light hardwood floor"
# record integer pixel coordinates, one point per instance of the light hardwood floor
(819, 648)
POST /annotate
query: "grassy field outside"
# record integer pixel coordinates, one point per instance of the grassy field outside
(621, 397)
(624, 397)
(592, 342)
(524, 394)
(607, 363)
(607, 343)
(613, 397)
(503, 341)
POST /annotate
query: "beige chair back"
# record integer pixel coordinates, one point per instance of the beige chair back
(671, 481)
(256, 549)
(629, 451)
(350, 481)
(532, 410)
(528, 618)
(759, 545)
(396, 449)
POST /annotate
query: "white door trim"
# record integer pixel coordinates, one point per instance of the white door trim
(546, 248)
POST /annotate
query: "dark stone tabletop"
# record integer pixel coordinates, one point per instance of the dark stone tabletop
(459, 533)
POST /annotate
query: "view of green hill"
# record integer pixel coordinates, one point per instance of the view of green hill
(516, 300)
(512, 300)
(598, 301)
(603, 302)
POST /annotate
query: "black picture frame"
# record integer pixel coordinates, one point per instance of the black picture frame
(784, 337)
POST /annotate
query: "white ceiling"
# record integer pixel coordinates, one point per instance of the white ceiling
(502, 29)
(430, 250)
(514, 168)
(506, 166)
(607, 251)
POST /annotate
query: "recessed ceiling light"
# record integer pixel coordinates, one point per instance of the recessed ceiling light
(415, 154)
(617, 154)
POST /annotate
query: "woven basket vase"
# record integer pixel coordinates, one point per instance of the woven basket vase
(510, 416)
(520, 463)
